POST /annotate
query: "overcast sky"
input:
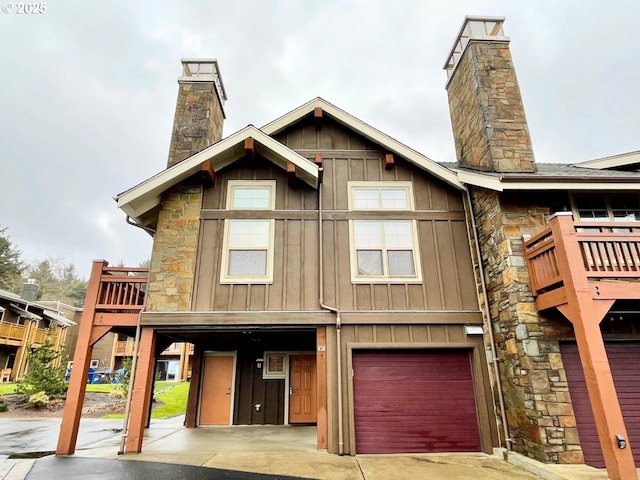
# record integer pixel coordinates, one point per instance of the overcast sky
(88, 90)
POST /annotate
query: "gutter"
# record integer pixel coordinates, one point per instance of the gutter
(485, 297)
(338, 324)
(150, 231)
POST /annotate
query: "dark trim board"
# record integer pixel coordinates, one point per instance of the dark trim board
(307, 318)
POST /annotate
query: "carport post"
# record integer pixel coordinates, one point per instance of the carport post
(141, 391)
(585, 313)
(81, 360)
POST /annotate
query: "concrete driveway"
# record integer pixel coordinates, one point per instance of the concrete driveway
(222, 452)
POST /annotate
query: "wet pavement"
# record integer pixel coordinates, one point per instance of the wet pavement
(19, 436)
(173, 452)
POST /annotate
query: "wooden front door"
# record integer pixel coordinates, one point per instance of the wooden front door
(302, 389)
(216, 398)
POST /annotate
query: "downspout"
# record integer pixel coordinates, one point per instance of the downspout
(134, 364)
(338, 324)
(485, 297)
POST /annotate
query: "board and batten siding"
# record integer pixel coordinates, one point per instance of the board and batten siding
(448, 281)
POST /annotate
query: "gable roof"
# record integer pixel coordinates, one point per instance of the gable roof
(615, 161)
(551, 176)
(367, 131)
(141, 201)
(21, 306)
(138, 201)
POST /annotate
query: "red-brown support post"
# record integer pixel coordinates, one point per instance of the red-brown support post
(81, 361)
(585, 314)
(194, 389)
(141, 390)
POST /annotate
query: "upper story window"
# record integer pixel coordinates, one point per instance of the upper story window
(383, 250)
(380, 196)
(247, 255)
(256, 195)
(607, 208)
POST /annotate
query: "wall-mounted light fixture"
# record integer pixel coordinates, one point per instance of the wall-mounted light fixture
(622, 443)
(473, 329)
(259, 363)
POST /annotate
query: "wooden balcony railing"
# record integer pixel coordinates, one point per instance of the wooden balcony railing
(122, 289)
(40, 334)
(11, 332)
(607, 250)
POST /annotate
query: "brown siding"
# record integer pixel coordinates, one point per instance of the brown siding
(346, 156)
(251, 390)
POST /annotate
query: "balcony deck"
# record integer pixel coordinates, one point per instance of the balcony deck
(607, 254)
(122, 289)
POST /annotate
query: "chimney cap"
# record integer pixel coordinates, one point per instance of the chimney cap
(203, 70)
(474, 28)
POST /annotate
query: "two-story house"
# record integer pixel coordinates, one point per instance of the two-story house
(330, 275)
(322, 271)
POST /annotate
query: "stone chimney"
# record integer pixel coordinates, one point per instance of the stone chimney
(30, 290)
(199, 109)
(487, 115)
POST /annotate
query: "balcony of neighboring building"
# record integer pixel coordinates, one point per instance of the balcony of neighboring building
(605, 254)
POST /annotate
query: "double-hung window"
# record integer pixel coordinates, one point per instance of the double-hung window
(383, 249)
(248, 242)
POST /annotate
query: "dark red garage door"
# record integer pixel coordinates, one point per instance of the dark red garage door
(414, 401)
(624, 359)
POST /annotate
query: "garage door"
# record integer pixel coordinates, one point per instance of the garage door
(624, 359)
(414, 401)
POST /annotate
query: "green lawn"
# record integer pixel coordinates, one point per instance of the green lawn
(7, 388)
(173, 396)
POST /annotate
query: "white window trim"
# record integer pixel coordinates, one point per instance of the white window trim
(233, 184)
(266, 374)
(392, 185)
(225, 278)
(417, 264)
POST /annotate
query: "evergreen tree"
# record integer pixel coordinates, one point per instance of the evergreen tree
(42, 375)
(10, 264)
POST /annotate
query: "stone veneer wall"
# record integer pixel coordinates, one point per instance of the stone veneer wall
(487, 114)
(198, 120)
(173, 258)
(539, 410)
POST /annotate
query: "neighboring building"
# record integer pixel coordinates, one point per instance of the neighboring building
(560, 249)
(173, 365)
(328, 274)
(26, 323)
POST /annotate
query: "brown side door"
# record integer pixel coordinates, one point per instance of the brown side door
(217, 389)
(302, 389)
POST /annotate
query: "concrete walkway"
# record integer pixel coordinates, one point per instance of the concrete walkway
(238, 452)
